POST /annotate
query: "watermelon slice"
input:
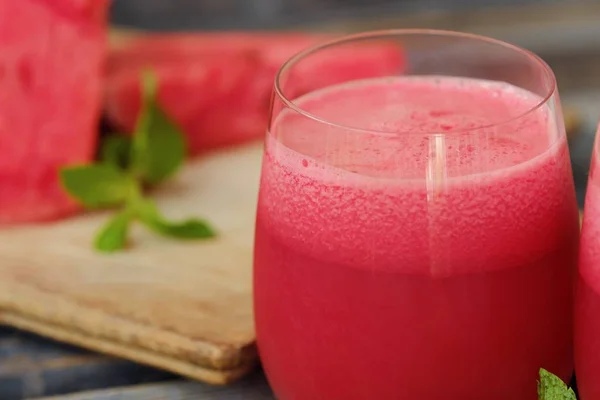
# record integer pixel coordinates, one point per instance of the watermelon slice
(51, 58)
(218, 86)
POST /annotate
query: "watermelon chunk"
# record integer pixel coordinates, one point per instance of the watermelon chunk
(218, 86)
(51, 68)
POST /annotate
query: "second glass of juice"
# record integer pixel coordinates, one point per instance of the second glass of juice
(417, 230)
(587, 310)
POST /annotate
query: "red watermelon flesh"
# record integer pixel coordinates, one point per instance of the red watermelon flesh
(173, 48)
(218, 86)
(51, 58)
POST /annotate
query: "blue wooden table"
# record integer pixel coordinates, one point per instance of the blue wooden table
(36, 368)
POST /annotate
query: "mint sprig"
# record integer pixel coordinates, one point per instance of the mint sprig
(158, 147)
(551, 387)
(126, 167)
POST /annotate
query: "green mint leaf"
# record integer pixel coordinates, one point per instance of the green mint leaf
(113, 235)
(159, 146)
(189, 229)
(98, 185)
(149, 214)
(551, 387)
(115, 150)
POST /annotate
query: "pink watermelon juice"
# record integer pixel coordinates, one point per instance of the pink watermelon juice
(399, 265)
(587, 310)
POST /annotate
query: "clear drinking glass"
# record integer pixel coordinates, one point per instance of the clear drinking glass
(417, 228)
(587, 307)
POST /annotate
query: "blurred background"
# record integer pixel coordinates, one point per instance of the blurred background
(278, 14)
(566, 33)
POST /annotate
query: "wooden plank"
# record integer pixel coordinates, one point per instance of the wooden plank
(31, 366)
(181, 306)
(254, 388)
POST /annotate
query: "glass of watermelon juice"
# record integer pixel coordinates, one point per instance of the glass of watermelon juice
(417, 228)
(587, 309)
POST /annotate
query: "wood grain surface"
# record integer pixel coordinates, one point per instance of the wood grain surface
(181, 306)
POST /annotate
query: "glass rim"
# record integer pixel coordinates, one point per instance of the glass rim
(298, 57)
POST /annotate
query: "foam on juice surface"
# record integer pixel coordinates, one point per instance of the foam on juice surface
(403, 199)
(402, 109)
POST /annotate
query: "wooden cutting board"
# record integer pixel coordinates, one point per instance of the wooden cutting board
(185, 307)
